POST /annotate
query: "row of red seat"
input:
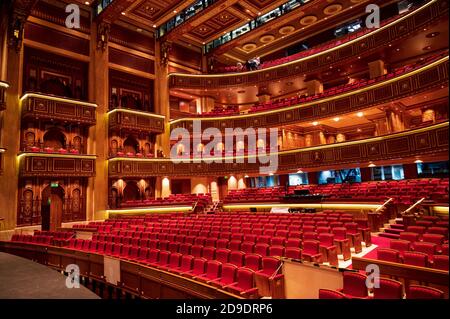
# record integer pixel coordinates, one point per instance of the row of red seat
(355, 85)
(232, 271)
(355, 287)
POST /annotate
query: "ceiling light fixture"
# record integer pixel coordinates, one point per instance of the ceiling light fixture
(360, 114)
(315, 123)
(336, 119)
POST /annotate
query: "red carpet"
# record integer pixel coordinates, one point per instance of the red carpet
(381, 242)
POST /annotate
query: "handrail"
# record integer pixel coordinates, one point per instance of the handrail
(384, 205)
(413, 206)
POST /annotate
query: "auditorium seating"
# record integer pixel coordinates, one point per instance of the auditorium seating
(430, 188)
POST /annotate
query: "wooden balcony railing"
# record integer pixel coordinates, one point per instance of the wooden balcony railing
(411, 83)
(135, 121)
(427, 141)
(133, 278)
(56, 165)
(365, 45)
(41, 106)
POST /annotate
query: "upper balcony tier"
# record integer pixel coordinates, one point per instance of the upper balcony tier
(427, 144)
(370, 44)
(48, 107)
(56, 165)
(133, 120)
(410, 81)
(3, 87)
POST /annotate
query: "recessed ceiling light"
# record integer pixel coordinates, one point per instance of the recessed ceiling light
(360, 114)
(87, 3)
(418, 161)
(336, 119)
(315, 123)
(299, 171)
(154, 25)
(123, 13)
(372, 165)
(175, 11)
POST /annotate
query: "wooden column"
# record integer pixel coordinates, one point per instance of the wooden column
(377, 68)
(11, 61)
(162, 94)
(314, 87)
(97, 191)
(410, 171)
(312, 178)
(366, 174)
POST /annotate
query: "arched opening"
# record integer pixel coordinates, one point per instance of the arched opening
(130, 145)
(54, 139)
(131, 192)
(51, 207)
(56, 87)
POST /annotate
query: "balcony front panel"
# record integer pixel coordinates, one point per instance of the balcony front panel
(54, 165)
(397, 30)
(40, 106)
(3, 87)
(136, 121)
(428, 77)
(429, 141)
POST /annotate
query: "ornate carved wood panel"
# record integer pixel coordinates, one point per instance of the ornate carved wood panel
(54, 165)
(424, 79)
(33, 197)
(38, 106)
(366, 45)
(127, 119)
(424, 141)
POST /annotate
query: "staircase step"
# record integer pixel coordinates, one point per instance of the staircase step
(398, 226)
(388, 235)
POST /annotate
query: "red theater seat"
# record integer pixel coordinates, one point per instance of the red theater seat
(294, 253)
(227, 277)
(244, 285)
(388, 289)
(415, 258)
(388, 254)
(252, 261)
(355, 285)
(330, 294)
(440, 262)
(311, 251)
(213, 269)
(424, 292)
(198, 268)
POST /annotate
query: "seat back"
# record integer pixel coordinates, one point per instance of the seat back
(355, 284)
(388, 289)
(424, 292)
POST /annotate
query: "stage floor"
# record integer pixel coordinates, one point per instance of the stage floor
(21, 278)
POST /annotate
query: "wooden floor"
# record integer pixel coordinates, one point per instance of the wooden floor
(21, 278)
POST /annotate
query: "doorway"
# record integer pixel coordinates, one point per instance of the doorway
(52, 208)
